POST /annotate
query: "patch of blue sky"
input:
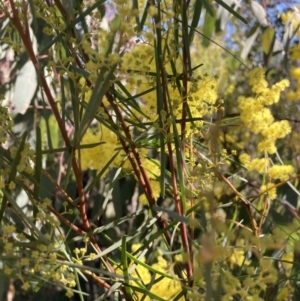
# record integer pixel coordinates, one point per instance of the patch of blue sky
(273, 12)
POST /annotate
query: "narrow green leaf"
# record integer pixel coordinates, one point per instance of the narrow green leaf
(249, 43)
(208, 280)
(185, 34)
(163, 166)
(38, 285)
(26, 220)
(176, 25)
(159, 93)
(82, 15)
(180, 162)
(91, 269)
(111, 224)
(208, 28)
(50, 129)
(13, 172)
(50, 44)
(83, 72)
(67, 149)
(224, 49)
(147, 293)
(75, 102)
(63, 100)
(117, 244)
(259, 13)
(1, 155)
(144, 17)
(80, 292)
(83, 21)
(195, 20)
(37, 167)
(101, 206)
(172, 214)
(33, 14)
(218, 290)
(135, 5)
(267, 40)
(148, 267)
(125, 268)
(131, 99)
(101, 87)
(232, 11)
(115, 23)
(71, 25)
(209, 8)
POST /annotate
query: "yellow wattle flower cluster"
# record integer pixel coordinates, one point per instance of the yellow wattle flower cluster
(166, 288)
(256, 115)
(96, 157)
(270, 189)
(294, 95)
(201, 95)
(6, 123)
(295, 52)
(153, 171)
(40, 260)
(293, 18)
(138, 63)
(202, 98)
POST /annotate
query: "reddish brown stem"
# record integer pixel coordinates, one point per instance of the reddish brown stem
(77, 170)
(244, 202)
(26, 25)
(134, 157)
(71, 226)
(57, 186)
(263, 214)
(177, 199)
(184, 95)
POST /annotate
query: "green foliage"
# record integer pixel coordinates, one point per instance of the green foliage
(145, 154)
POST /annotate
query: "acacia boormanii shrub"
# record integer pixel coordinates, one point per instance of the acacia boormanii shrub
(128, 170)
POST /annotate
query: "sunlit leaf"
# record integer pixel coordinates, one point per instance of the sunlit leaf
(231, 7)
(249, 43)
(208, 28)
(267, 39)
(259, 13)
(25, 88)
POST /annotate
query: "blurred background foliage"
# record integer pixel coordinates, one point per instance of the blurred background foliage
(114, 186)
